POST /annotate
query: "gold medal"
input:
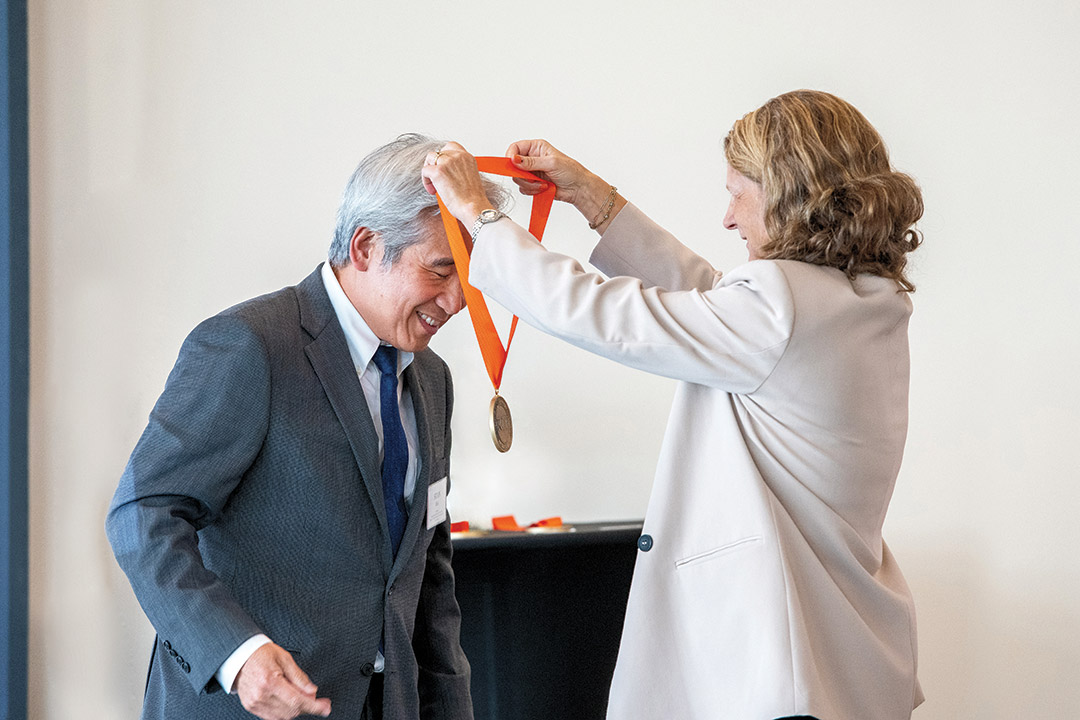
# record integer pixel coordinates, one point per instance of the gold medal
(502, 427)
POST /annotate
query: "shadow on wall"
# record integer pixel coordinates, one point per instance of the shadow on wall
(976, 624)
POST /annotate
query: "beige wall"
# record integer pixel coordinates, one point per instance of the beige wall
(187, 155)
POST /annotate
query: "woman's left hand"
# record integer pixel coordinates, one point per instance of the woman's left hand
(452, 173)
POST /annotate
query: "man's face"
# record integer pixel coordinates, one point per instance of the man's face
(410, 300)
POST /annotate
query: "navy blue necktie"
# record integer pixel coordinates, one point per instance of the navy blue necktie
(395, 447)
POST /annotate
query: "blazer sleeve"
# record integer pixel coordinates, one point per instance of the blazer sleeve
(636, 246)
(729, 336)
(443, 669)
(202, 435)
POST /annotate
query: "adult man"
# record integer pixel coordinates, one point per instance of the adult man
(284, 511)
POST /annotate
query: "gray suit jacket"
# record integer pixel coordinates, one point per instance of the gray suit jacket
(253, 503)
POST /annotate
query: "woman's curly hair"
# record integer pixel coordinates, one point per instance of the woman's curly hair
(831, 196)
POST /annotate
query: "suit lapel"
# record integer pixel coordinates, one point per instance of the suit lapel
(329, 356)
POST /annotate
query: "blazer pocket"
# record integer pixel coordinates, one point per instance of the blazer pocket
(718, 552)
(298, 655)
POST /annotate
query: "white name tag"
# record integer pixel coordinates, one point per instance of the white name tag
(436, 503)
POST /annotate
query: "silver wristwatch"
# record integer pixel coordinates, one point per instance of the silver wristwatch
(485, 217)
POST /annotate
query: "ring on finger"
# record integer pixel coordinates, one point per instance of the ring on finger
(437, 154)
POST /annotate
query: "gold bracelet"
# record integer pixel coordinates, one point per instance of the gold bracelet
(606, 209)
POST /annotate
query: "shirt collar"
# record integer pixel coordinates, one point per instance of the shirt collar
(361, 340)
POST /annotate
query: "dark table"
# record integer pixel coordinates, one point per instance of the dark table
(541, 618)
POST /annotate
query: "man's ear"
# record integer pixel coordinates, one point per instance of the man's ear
(362, 249)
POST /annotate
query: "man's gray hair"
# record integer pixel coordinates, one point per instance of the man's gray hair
(386, 195)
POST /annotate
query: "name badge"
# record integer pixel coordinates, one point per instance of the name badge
(436, 503)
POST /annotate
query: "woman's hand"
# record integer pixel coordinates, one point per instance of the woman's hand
(541, 159)
(452, 173)
(538, 157)
(573, 182)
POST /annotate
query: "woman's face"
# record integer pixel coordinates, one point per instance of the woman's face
(746, 212)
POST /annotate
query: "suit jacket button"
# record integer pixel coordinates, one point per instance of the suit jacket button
(367, 669)
(179, 659)
(644, 543)
(167, 644)
(187, 668)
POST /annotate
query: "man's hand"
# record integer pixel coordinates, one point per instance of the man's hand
(272, 686)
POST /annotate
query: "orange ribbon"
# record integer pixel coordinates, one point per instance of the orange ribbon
(491, 347)
(507, 523)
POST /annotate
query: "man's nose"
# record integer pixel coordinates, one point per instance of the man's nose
(453, 300)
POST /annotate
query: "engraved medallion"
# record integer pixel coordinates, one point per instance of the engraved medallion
(502, 427)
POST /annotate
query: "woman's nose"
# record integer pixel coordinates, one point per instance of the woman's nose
(729, 219)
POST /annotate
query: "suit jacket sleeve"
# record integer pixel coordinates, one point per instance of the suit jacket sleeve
(725, 333)
(443, 669)
(203, 434)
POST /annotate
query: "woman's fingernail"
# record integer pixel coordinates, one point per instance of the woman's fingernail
(518, 160)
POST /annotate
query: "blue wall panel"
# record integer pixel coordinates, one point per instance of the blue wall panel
(14, 359)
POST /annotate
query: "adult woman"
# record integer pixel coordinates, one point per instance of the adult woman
(764, 588)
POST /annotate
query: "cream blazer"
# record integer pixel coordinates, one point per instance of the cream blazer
(763, 587)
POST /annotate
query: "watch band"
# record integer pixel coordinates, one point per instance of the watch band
(485, 217)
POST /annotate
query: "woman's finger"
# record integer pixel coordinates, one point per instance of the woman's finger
(425, 174)
(529, 147)
(530, 187)
(544, 163)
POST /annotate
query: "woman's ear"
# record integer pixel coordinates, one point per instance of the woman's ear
(362, 249)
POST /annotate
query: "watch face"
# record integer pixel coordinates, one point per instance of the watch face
(489, 216)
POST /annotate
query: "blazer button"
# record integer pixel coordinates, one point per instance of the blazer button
(187, 668)
(644, 543)
(167, 644)
(179, 659)
(367, 669)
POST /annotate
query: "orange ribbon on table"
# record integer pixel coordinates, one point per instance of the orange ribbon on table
(508, 523)
(491, 347)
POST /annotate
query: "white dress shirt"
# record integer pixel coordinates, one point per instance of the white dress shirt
(362, 344)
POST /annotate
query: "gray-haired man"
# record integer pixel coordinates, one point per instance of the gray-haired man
(282, 518)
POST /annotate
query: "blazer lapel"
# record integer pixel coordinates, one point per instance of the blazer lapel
(329, 356)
